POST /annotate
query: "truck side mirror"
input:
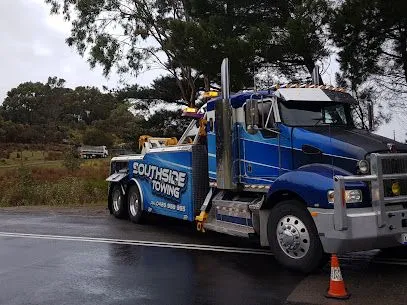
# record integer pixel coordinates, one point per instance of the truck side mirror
(252, 116)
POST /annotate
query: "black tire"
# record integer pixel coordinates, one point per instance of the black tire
(118, 202)
(297, 235)
(134, 204)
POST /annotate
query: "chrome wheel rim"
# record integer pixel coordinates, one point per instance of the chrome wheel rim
(133, 204)
(293, 236)
(116, 198)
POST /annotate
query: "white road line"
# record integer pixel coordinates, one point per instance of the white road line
(373, 260)
(139, 243)
(389, 261)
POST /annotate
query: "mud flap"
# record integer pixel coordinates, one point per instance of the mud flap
(264, 217)
(116, 177)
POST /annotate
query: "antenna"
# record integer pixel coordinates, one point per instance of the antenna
(225, 79)
(370, 113)
(254, 79)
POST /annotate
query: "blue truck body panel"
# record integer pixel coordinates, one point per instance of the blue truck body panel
(166, 184)
(311, 183)
(281, 163)
(278, 162)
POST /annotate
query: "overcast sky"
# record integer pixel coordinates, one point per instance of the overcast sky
(33, 48)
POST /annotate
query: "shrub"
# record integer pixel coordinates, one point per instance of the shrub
(97, 137)
(4, 154)
(54, 155)
(71, 161)
(53, 186)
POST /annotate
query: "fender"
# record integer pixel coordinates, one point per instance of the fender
(312, 182)
(134, 180)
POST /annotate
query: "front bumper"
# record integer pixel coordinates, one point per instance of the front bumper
(382, 225)
(362, 232)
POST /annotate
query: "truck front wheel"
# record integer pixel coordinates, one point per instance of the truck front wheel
(293, 237)
(118, 202)
(134, 204)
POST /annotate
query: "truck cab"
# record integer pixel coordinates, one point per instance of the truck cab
(286, 165)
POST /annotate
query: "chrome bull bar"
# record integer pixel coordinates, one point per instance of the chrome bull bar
(376, 178)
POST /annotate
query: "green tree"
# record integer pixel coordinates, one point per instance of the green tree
(190, 38)
(71, 160)
(166, 123)
(364, 93)
(48, 112)
(38, 105)
(163, 88)
(118, 32)
(372, 37)
(122, 122)
(87, 104)
(286, 35)
(97, 137)
(3, 130)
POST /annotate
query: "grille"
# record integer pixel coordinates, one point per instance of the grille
(200, 179)
(390, 166)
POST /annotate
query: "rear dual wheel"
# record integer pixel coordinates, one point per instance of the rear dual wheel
(134, 204)
(129, 204)
(126, 205)
(118, 202)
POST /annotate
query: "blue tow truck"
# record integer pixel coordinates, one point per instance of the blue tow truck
(286, 165)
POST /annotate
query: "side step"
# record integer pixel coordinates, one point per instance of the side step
(228, 228)
(232, 217)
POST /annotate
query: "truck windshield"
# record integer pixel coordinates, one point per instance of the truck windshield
(315, 114)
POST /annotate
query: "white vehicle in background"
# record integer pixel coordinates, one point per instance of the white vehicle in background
(88, 152)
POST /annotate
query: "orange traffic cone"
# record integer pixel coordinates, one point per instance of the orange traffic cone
(337, 288)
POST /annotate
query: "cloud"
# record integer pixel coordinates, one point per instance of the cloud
(41, 50)
(33, 48)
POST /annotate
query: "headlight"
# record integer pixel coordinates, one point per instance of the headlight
(351, 196)
(363, 166)
(395, 188)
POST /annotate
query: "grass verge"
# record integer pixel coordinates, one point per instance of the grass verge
(54, 186)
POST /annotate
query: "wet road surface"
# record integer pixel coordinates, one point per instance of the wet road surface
(50, 258)
(56, 270)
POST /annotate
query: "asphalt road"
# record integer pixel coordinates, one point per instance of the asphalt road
(58, 259)
(69, 258)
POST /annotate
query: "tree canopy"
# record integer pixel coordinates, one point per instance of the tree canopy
(189, 38)
(49, 112)
(372, 37)
(46, 112)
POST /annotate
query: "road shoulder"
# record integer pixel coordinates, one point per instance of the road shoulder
(367, 283)
(91, 210)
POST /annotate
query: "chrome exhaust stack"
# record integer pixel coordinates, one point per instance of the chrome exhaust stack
(224, 133)
(315, 75)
